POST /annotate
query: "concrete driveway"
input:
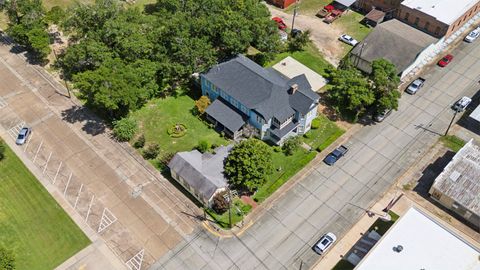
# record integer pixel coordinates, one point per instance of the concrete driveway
(332, 199)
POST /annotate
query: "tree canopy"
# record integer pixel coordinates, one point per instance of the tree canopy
(7, 259)
(174, 38)
(248, 164)
(354, 93)
(27, 25)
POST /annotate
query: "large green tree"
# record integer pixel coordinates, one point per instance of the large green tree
(27, 25)
(351, 92)
(117, 88)
(248, 164)
(385, 85)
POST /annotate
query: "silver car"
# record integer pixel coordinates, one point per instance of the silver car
(23, 135)
(324, 243)
(472, 36)
(462, 104)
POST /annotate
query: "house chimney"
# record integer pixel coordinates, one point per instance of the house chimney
(293, 89)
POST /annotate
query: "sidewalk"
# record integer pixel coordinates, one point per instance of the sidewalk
(344, 244)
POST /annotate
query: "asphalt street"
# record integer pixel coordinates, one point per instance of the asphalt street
(332, 199)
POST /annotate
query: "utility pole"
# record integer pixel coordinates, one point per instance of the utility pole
(230, 207)
(451, 122)
(65, 81)
(294, 15)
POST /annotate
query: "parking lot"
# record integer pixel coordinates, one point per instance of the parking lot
(136, 211)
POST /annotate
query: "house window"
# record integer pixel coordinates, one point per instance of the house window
(416, 21)
(406, 16)
(276, 122)
(427, 25)
(436, 194)
(174, 175)
(215, 89)
(234, 102)
(259, 119)
(437, 30)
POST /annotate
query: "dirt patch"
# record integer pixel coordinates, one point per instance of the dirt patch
(324, 36)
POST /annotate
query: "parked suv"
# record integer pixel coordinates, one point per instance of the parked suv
(324, 243)
(462, 104)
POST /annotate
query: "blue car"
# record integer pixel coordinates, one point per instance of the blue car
(335, 155)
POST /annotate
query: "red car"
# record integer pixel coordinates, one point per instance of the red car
(280, 23)
(445, 60)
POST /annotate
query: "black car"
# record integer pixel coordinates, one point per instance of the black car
(335, 155)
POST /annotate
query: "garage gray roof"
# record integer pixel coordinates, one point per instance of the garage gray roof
(226, 115)
(203, 172)
(259, 89)
(395, 41)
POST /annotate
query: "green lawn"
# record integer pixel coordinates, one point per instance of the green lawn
(343, 265)
(308, 7)
(452, 142)
(284, 168)
(381, 227)
(321, 138)
(350, 25)
(310, 57)
(160, 114)
(41, 234)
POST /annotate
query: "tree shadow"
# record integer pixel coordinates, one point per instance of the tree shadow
(92, 124)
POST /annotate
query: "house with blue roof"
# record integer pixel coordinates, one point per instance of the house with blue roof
(247, 97)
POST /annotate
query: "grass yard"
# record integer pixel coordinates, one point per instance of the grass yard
(41, 234)
(158, 115)
(238, 211)
(284, 168)
(308, 7)
(310, 57)
(350, 24)
(322, 137)
(452, 142)
(382, 226)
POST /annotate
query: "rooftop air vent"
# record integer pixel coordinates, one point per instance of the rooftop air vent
(454, 176)
(398, 248)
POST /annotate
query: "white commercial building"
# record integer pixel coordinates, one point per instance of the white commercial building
(417, 241)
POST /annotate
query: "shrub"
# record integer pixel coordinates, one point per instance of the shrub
(55, 15)
(291, 145)
(308, 135)
(277, 149)
(203, 146)
(2, 150)
(165, 158)
(140, 142)
(151, 151)
(316, 123)
(7, 259)
(201, 105)
(124, 129)
(220, 205)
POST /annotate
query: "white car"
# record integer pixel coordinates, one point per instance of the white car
(472, 35)
(324, 243)
(348, 39)
(462, 104)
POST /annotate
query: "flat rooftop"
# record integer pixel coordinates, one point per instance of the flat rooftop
(446, 11)
(426, 245)
(460, 179)
(291, 68)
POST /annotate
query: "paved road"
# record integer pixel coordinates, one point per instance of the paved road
(332, 198)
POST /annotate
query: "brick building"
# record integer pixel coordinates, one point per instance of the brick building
(439, 18)
(390, 7)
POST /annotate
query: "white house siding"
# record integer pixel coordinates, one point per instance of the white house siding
(309, 117)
